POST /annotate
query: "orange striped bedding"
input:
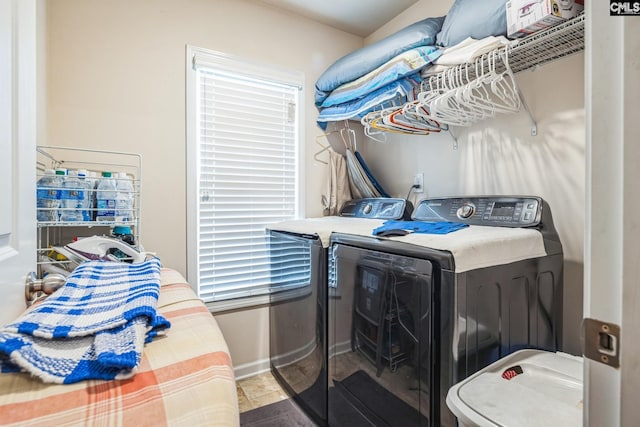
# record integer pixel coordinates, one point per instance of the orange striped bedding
(184, 379)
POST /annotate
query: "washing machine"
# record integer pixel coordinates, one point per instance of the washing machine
(414, 314)
(298, 309)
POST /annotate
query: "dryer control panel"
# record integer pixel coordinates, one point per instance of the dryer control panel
(501, 211)
(377, 208)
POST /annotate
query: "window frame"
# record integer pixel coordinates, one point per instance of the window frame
(201, 56)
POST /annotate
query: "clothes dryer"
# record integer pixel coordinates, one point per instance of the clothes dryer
(297, 312)
(412, 315)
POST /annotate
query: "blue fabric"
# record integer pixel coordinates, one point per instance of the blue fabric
(425, 227)
(94, 327)
(402, 65)
(395, 93)
(370, 57)
(473, 18)
(369, 174)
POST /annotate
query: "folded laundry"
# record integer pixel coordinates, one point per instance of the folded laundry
(395, 93)
(360, 62)
(425, 227)
(402, 65)
(94, 327)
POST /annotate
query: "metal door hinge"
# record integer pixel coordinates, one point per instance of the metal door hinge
(602, 342)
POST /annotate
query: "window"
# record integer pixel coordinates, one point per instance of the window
(243, 138)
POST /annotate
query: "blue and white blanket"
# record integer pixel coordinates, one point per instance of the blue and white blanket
(94, 327)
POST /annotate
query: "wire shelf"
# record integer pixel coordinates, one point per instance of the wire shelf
(548, 45)
(530, 52)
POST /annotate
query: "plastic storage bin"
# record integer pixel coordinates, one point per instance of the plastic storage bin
(526, 388)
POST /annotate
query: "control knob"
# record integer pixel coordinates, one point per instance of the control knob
(466, 211)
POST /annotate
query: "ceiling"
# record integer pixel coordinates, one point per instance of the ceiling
(359, 17)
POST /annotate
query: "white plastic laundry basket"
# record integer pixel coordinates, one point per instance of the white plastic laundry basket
(526, 388)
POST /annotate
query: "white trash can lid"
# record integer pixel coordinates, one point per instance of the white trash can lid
(525, 388)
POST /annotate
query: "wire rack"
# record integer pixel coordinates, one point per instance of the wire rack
(59, 233)
(530, 52)
(548, 45)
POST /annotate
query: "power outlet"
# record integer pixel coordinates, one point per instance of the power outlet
(418, 180)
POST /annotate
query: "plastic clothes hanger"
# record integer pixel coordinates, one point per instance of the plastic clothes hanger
(323, 147)
(472, 113)
(393, 120)
(322, 150)
(366, 122)
(414, 117)
(348, 137)
(475, 93)
(503, 87)
(419, 112)
(447, 108)
(513, 91)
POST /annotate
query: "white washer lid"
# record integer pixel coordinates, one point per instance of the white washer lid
(548, 392)
(324, 226)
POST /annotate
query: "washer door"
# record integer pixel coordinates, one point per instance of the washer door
(379, 337)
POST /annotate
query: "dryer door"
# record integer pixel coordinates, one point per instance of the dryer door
(297, 341)
(379, 337)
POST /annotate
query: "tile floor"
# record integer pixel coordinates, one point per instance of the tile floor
(263, 389)
(258, 390)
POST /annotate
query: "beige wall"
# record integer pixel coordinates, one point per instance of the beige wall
(116, 79)
(420, 10)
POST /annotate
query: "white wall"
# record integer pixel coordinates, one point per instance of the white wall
(500, 156)
(116, 81)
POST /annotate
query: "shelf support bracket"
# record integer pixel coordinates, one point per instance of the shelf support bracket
(534, 125)
(455, 138)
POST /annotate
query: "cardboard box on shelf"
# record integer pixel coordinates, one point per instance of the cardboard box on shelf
(525, 17)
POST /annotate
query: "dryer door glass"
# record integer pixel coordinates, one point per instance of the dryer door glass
(379, 337)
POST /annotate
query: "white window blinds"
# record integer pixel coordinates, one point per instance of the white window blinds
(246, 120)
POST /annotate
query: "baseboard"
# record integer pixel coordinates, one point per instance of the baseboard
(250, 369)
(339, 348)
(260, 366)
(295, 355)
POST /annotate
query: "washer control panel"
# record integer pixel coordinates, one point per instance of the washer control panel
(501, 211)
(377, 208)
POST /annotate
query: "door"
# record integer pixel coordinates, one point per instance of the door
(17, 151)
(612, 224)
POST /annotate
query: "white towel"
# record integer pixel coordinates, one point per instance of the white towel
(469, 49)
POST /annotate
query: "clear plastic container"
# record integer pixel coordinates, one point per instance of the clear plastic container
(106, 198)
(85, 202)
(124, 204)
(71, 198)
(48, 196)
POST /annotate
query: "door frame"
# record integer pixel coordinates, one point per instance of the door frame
(612, 226)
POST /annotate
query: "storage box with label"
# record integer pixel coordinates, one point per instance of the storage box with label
(525, 17)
